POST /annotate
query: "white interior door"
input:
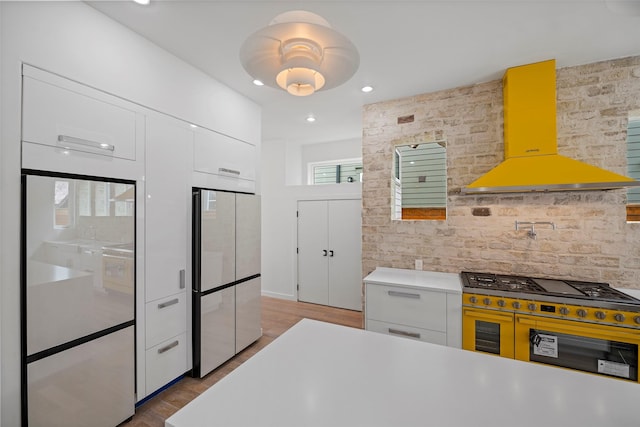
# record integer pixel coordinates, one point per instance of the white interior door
(313, 252)
(345, 253)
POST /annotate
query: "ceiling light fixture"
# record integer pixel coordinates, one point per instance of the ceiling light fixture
(299, 52)
(311, 119)
(367, 89)
(258, 82)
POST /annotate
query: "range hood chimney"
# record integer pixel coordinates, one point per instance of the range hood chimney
(532, 162)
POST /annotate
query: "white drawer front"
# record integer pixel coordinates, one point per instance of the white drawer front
(406, 306)
(166, 362)
(165, 318)
(426, 335)
(77, 118)
(218, 154)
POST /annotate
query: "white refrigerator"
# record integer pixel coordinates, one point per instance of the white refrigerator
(77, 301)
(226, 276)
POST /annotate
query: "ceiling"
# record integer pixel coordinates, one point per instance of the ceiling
(406, 47)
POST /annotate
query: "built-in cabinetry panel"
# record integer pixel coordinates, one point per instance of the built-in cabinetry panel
(70, 127)
(222, 162)
(167, 242)
(164, 360)
(421, 305)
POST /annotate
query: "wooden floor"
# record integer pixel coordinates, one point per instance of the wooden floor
(277, 316)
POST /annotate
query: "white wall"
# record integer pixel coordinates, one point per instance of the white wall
(279, 224)
(76, 41)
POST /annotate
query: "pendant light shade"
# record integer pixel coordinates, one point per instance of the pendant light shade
(300, 53)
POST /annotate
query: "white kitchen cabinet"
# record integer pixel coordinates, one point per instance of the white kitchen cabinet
(422, 305)
(70, 127)
(165, 318)
(167, 239)
(166, 207)
(329, 253)
(222, 162)
(163, 360)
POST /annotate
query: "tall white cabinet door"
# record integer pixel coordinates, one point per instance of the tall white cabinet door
(218, 235)
(247, 235)
(313, 252)
(345, 254)
(167, 202)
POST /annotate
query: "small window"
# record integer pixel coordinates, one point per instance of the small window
(336, 172)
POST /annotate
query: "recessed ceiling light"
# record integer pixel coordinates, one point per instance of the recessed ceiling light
(367, 89)
(145, 2)
(193, 126)
(311, 119)
(258, 82)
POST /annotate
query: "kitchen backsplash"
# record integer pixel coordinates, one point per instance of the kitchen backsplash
(592, 240)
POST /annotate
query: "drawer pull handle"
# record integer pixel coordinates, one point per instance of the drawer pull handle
(65, 139)
(168, 303)
(182, 279)
(168, 347)
(403, 294)
(404, 333)
(231, 171)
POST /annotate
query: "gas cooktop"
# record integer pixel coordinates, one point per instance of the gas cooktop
(498, 283)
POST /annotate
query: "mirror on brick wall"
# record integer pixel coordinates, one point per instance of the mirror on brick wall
(420, 181)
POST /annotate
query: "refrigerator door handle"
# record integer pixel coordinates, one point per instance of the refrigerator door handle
(182, 279)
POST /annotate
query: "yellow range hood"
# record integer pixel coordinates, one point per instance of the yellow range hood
(532, 162)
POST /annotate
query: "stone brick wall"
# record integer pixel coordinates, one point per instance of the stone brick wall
(592, 241)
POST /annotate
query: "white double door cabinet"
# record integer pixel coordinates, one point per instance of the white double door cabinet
(329, 253)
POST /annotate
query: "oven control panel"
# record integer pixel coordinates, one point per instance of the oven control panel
(556, 310)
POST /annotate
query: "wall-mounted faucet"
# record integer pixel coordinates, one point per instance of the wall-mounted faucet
(532, 226)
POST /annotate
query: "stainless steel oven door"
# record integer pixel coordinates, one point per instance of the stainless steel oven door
(598, 349)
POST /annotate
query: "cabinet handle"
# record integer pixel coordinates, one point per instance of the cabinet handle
(79, 141)
(404, 333)
(231, 171)
(168, 303)
(168, 347)
(324, 252)
(182, 279)
(330, 253)
(403, 294)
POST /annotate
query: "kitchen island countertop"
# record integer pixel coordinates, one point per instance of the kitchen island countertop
(320, 374)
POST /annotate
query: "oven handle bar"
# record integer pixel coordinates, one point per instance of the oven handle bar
(591, 332)
(490, 316)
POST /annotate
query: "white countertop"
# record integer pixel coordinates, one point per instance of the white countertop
(447, 282)
(320, 374)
